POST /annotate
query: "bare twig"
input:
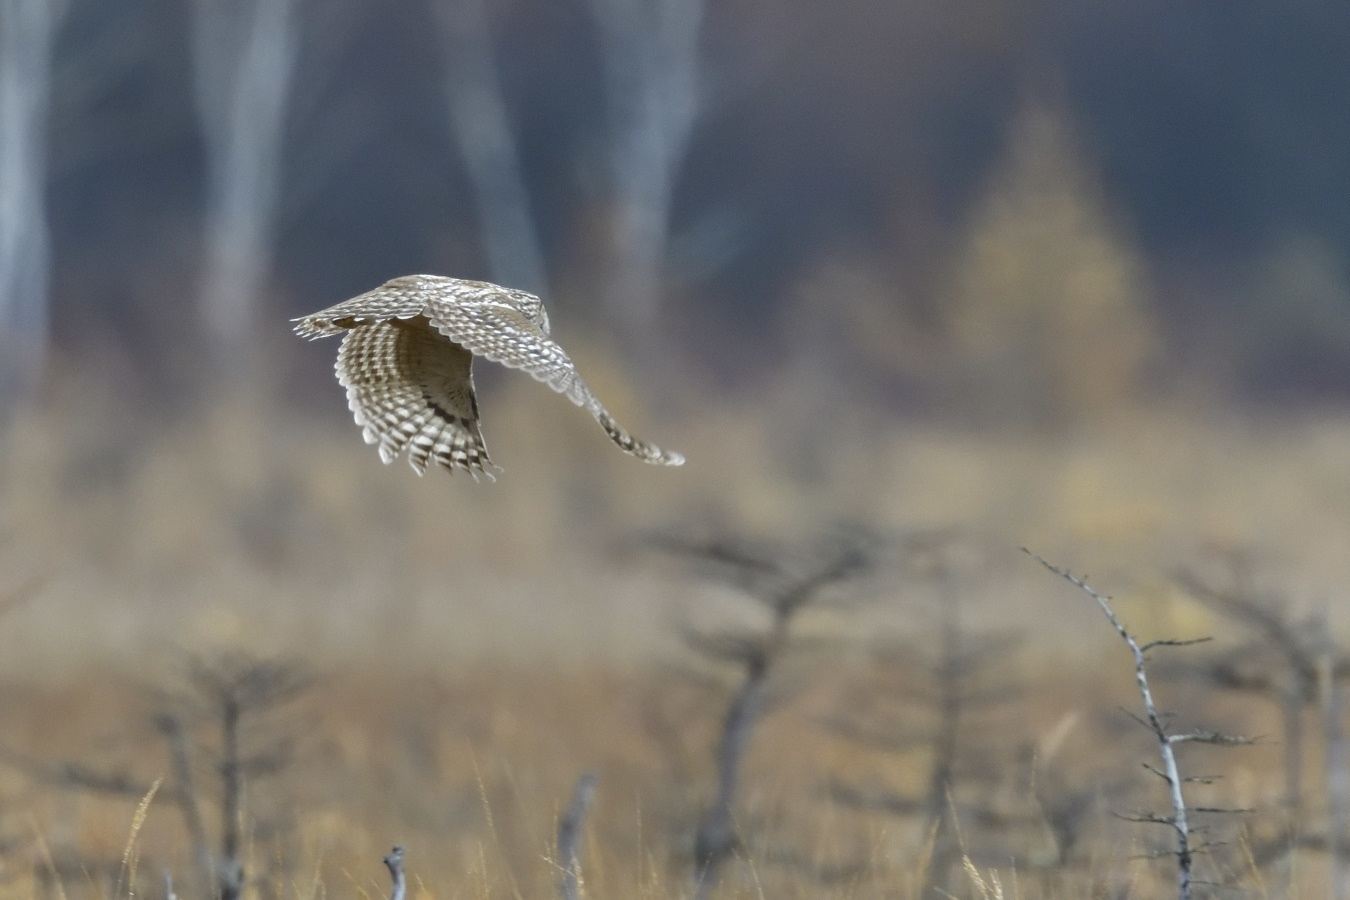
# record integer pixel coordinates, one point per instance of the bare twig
(75, 775)
(394, 862)
(784, 593)
(1295, 683)
(235, 688)
(874, 799)
(180, 750)
(716, 838)
(569, 836)
(1338, 775)
(1263, 617)
(955, 663)
(1211, 737)
(1178, 820)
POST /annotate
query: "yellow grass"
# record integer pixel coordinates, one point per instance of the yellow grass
(477, 647)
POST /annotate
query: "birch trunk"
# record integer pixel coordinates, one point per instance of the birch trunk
(482, 129)
(650, 52)
(27, 35)
(244, 60)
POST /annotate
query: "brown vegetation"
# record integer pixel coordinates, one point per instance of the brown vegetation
(474, 649)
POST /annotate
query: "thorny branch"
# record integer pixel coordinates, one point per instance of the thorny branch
(1170, 773)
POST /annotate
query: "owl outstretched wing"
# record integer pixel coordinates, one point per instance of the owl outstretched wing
(401, 298)
(495, 329)
(406, 363)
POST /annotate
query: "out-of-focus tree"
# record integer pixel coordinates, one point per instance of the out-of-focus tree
(27, 37)
(650, 55)
(482, 129)
(1048, 318)
(244, 55)
(1293, 317)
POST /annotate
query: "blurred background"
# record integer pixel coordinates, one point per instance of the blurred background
(1049, 274)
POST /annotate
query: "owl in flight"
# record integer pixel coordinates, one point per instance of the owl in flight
(407, 365)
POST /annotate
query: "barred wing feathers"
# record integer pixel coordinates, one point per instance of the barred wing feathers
(410, 390)
(499, 332)
(406, 363)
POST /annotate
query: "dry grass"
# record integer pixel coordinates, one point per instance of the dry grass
(477, 647)
(469, 771)
(244, 522)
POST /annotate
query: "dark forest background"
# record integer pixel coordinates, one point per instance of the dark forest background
(854, 130)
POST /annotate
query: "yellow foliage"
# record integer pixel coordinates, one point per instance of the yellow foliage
(1048, 315)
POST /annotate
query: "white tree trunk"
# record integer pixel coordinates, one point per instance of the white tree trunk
(651, 60)
(482, 129)
(244, 59)
(27, 34)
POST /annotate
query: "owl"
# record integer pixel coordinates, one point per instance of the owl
(407, 365)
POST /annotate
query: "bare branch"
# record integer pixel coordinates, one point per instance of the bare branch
(722, 552)
(1210, 737)
(1175, 643)
(394, 862)
(1337, 765)
(784, 592)
(1261, 615)
(1137, 719)
(881, 801)
(236, 688)
(76, 775)
(1178, 819)
(726, 647)
(1147, 818)
(569, 836)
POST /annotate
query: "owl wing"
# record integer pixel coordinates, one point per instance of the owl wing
(411, 389)
(401, 298)
(491, 326)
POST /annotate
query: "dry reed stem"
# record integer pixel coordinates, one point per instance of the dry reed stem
(987, 891)
(47, 860)
(126, 876)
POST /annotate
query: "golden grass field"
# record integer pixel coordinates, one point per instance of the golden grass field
(471, 649)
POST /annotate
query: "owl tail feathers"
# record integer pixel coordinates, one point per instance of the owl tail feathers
(648, 453)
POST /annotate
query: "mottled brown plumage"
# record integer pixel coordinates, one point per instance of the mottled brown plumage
(407, 360)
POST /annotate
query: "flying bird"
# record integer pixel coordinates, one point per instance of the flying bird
(407, 365)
